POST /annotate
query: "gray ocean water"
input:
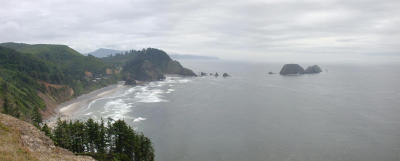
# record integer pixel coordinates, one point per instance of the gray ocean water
(350, 112)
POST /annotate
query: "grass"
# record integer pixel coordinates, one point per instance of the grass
(10, 146)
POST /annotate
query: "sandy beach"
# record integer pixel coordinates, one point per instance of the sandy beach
(67, 109)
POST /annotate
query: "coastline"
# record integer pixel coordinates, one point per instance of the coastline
(65, 110)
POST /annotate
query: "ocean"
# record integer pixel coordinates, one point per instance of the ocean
(349, 112)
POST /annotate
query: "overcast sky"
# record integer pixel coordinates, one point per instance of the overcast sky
(246, 29)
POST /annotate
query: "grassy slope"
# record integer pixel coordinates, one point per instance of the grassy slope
(20, 140)
(10, 146)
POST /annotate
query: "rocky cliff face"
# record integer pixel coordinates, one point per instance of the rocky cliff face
(20, 140)
(52, 95)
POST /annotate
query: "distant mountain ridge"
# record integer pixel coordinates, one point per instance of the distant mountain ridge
(186, 56)
(103, 52)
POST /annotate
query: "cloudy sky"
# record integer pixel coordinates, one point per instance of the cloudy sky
(246, 29)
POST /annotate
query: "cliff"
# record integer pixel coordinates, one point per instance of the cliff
(20, 140)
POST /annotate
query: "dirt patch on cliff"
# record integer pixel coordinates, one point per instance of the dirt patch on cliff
(54, 95)
(20, 140)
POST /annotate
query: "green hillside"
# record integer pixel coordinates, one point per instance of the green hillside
(71, 65)
(27, 70)
(18, 83)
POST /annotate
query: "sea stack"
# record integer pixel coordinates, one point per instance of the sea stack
(289, 69)
(313, 70)
(225, 75)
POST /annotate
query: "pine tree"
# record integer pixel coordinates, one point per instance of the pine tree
(36, 116)
(92, 134)
(6, 106)
(47, 130)
(101, 139)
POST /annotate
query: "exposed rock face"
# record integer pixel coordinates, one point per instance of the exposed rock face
(174, 67)
(288, 69)
(313, 69)
(52, 96)
(130, 82)
(225, 75)
(20, 140)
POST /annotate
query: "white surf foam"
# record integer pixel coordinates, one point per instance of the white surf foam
(139, 119)
(170, 90)
(150, 95)
(117, 109)
(184, 80)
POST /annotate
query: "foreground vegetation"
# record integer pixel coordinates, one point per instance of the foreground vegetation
(114, 140)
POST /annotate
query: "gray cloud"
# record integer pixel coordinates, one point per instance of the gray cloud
(251, 29)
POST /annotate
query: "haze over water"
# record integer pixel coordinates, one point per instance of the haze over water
(348, 112)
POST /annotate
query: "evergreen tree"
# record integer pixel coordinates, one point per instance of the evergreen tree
(92, 133)
(6, 109)
(114, 141)
(47, 131)
(101, 138)
(36, 116)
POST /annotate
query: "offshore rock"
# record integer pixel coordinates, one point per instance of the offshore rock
(289, 69)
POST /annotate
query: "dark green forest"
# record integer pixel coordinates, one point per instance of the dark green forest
(111, 140)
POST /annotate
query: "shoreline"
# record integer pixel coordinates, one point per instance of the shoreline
(65, 110)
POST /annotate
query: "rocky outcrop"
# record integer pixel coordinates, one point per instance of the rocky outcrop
(203, 74)
(271, 73)
(130, 82)
(289, 69)
(216, 74)
(20, 140)
(225, 75)
(174, 67)
(313, 70)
